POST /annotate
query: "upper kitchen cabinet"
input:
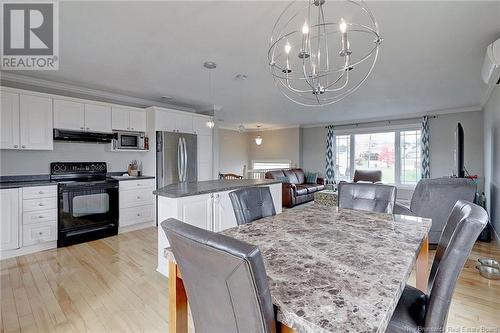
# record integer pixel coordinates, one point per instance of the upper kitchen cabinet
(36, 122)
(173, 120)
(200, 125)
(9, 130)
(78, 116)
(26, 122)
(98, 118)
(128, 119)
(69, 115)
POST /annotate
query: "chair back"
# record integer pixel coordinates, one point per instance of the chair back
(229, 176)
(225, 280)
(435, 198)
(252, 203)
(464, 225)
(372, 176)
(371, 197)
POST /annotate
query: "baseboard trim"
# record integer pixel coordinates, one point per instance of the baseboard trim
(28, 250)
(134, 227)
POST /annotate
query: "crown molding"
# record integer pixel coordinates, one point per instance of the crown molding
(409, 116)
(21, 81)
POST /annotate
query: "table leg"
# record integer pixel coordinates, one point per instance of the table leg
(177, 301)
(282, 328)
(422, 267)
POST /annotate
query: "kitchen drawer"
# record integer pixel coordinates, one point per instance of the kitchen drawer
(30, 205)
(37, 192)
(134, 215)
(135, 184)
(136, 198)
(39, 233)
(39, 216)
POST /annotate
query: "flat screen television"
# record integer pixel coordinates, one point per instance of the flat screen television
(459, 151)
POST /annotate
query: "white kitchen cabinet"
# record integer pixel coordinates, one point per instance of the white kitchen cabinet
(98, 118)
(224, 217)
(184, 123)
(137, 121)
(10, 219)
(200, 126)
(136, 204)
(69, 115)
(9, 121)
(35, 114)
(125, 119)
(204, 155)
(197, 210)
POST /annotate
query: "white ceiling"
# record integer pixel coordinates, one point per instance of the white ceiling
(430, 58)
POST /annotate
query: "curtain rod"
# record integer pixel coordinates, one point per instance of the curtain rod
(379, 122)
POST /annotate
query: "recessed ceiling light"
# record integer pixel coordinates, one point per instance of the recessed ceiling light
(240, 77)
(209, 65)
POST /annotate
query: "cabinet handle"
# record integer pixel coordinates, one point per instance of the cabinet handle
(132, 128)
(138, 214)
(88, 128)
(41, 204)
(15, 146)
(138, 197)
(138, 184)
(40, 216)
(40, 233)
(23, 146)
(82, 127)
(128, 128)
(40, 192)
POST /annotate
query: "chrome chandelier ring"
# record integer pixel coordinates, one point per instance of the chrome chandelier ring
(315, 61)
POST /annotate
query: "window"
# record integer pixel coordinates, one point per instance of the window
(270, 165)
(396, 153)
(343, 157)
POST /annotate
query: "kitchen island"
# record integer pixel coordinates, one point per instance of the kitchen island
(204, 204)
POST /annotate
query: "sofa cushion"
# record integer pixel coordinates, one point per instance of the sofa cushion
(291, 175)
(274, 174)
(301, 176)
(311, 188)
(283, 179)
(301, 190)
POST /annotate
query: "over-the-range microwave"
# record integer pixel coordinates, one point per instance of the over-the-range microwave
(129, 140)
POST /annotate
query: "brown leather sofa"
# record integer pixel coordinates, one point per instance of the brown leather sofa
(296, 191)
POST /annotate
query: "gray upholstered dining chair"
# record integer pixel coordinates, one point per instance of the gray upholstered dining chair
(225, 280)
(420, 312)
(435, 198)
(363, 196)
(252, 203)
(372, 176)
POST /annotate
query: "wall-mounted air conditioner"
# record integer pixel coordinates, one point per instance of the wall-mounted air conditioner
(491, 65)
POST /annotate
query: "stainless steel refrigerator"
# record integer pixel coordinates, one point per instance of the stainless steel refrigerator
(176, 158)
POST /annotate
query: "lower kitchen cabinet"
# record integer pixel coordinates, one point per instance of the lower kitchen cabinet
(29, 220)
(137, 204)
(213, 211)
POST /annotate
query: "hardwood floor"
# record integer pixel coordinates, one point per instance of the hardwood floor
(111, 285)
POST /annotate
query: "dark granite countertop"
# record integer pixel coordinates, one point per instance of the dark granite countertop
(25, 181)
(210, 186)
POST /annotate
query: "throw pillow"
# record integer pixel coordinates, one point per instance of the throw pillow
(283, 179)
(311, 177)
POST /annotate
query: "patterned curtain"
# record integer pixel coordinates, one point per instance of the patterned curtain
(426, 159)
(330, 164)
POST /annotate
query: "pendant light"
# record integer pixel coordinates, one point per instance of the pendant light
(258, 138)
(210, 65)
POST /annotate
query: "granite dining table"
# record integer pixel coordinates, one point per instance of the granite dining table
(329, 269)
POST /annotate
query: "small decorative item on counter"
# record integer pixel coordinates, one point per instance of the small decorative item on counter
(134, 168)
(146, 143)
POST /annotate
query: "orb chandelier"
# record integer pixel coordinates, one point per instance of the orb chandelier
(318, 56)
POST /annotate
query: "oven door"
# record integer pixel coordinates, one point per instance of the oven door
(87, 211)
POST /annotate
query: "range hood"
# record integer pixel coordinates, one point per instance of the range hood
(76, 136)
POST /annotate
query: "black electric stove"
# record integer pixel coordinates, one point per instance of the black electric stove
(87, 202)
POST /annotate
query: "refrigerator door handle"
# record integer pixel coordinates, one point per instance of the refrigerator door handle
(179, 159)
(185, 158)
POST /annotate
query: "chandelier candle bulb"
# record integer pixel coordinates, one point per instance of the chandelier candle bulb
(313, 75)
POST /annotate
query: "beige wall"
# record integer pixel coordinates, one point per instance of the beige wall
(442, 143)
(312, 149)
(233, 151)
(492, 158)
(282, 144)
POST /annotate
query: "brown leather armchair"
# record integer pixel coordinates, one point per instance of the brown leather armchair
(296, 190)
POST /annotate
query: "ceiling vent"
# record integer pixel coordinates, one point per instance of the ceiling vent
(491, 65)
